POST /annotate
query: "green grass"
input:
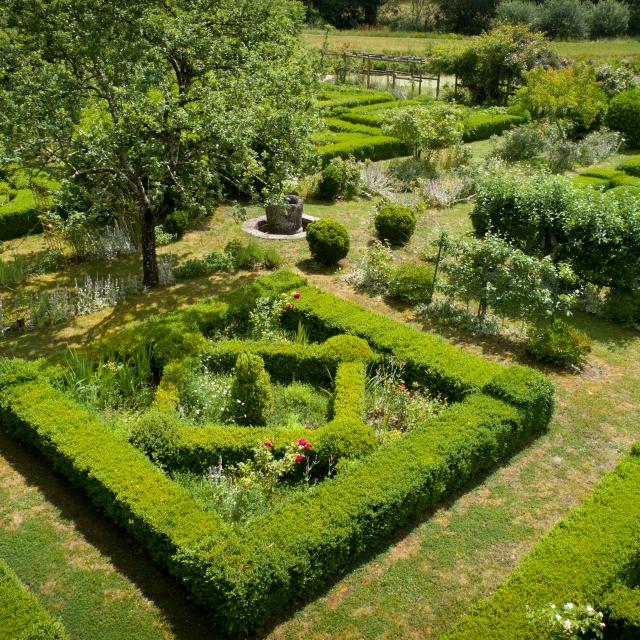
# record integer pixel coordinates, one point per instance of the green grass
(422, 43)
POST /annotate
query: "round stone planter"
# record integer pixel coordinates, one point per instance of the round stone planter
(259, 227)
(285, 218)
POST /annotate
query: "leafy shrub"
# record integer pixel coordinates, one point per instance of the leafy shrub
(328, 241)
(624, 115)
(395, 223)
(609, 18)
(345, 439)
(559, 344)
(251, 394)
(565, 19)
(177, 223)
(623, 306)
(155, 434)
(163, 237)
(521, 143)
(411, 284)
(214, 262)
(19, 217)
(339, 179)
(615, 80)
(347, 348)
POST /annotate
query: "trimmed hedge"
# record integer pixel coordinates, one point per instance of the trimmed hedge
(20, 216)
(481, 126)
(630, 165)
(583, 559)
(429, 360)
(243, 575)
(22, 617)
(335, 124)
(370, 148)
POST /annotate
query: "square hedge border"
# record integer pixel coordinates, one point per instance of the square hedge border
(244, 575)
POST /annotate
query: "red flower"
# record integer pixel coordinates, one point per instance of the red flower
(302, 442)
(403, 385)
(296, 295)
(268, 444)
(307, 447)
(299, 458)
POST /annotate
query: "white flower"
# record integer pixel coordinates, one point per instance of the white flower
(568, 606)
(589, 609)
(558, 617)
(567, 625)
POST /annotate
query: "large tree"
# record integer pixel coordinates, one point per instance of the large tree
(147, 106)
(347, 13)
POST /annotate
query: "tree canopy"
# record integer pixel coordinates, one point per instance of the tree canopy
(145, 107)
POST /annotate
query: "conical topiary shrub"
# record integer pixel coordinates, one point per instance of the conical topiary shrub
(251, 393)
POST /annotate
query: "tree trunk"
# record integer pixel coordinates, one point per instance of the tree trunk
(150, 273)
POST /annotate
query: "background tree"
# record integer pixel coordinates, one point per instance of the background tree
(146, 107)
(467, 16)
(347, 13)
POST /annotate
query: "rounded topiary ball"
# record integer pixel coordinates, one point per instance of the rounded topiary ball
(176, 223)
(344, 439)
(411, 284)
(328, 241)
(624, 115)
(346, 348)
(395, 223)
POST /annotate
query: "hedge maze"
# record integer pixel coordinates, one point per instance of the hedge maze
(243, 573)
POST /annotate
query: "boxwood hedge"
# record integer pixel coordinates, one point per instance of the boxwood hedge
(244, 574)
(590, 557)
(22, 617)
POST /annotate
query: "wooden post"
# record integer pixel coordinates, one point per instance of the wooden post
(369, 74)
(438, 86)
(394, 76)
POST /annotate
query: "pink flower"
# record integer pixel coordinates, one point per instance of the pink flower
(403, 385)
(268, 444)
(296, 295)
(299, 458)
(302, 442)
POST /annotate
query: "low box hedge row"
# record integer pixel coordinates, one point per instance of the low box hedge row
(369, 148)
(481, 126)
(429, 360)
(584, 559)
(335, 124)
(22, 617)
(19, 217)
(245, 574)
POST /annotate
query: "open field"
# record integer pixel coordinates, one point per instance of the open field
(421, 44)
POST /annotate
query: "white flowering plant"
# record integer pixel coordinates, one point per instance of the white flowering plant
(570, 621)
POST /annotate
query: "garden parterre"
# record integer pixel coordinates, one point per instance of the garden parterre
(245, 573)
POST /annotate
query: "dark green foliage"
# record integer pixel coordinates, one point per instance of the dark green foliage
(621, 606)
(395, 223)
(559, 344)
(467, 16)
(624, 115)
(328, 241)
(481, 126)
(623, 306)
(609, 18)
(630, 165)
(565, 19)
(346, 14)
(177, 223)
(339, 179)
(411, 284)
(580, 560)
(22, 617)
(155, 434)
(251, 394)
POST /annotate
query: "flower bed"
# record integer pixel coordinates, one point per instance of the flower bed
(245, 572)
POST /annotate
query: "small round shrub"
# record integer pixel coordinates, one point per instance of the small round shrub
(340, 179)
(624, 115)
(251, 393)
(346, 348)
(395, 223)
(176, 223)
(328, 241)
(155, 434)
(559, 344)
(623, 306)
(344, 439)
(411, 284)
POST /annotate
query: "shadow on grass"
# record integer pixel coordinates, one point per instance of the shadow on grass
(187, 621)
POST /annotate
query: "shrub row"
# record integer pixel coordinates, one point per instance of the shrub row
(20, 216)
(335, 124)
(584, 559)
(22, 617)
(369, 148)
(430, 361)
(481, 126)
